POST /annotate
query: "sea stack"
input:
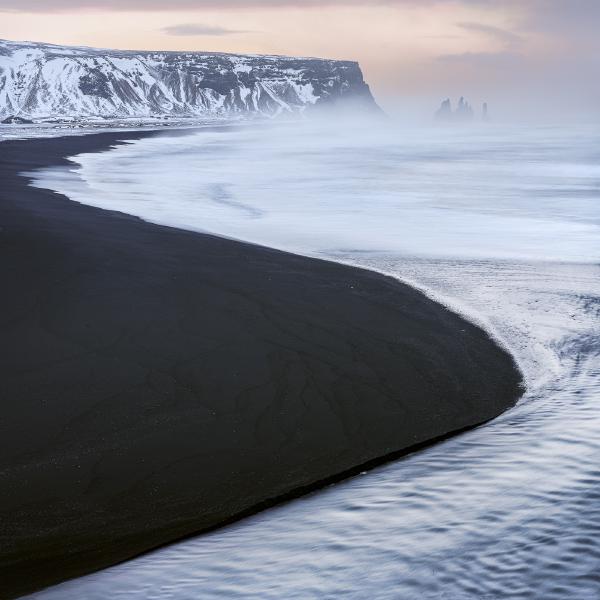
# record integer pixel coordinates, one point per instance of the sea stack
(444, 112)
(485, 116)
(463, 112)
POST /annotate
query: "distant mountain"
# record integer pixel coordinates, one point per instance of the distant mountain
(43, 80)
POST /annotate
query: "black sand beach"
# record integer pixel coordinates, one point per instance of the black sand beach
(155, 382)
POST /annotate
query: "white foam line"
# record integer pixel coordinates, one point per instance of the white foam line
(460, 308)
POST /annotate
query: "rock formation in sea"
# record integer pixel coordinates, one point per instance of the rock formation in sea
(463, 112)
(485, 115)
(444, 112)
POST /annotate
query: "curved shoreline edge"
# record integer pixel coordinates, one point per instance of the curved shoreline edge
(158, 383)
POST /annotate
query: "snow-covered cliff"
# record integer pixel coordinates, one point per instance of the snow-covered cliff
(43, 80)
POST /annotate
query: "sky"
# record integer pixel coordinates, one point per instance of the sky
(521, 56)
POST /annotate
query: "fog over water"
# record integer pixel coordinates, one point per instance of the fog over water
(448, 191)
(499, 223)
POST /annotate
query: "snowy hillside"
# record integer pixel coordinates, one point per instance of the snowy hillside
(42, 80)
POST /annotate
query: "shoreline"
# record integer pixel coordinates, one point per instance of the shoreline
(163, 383)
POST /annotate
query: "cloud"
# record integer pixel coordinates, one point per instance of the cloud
(489, 60)
(197, 29)
(537, 14)
(551, 12)
(485, 62)
(51, 6)
(573, 16)
(502, 35)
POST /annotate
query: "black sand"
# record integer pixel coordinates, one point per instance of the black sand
(155, 382)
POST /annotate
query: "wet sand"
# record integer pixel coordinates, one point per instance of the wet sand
(157, 383)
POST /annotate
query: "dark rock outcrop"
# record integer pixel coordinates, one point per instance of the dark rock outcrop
(463, 113)
(12, 120)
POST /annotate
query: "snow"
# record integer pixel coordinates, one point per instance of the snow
(42, 81)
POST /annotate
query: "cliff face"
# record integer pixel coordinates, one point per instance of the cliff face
(42, 80)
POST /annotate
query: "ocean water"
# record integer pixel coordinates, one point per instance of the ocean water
(499, 224)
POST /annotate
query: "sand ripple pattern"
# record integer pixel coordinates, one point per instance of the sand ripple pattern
(510, 510)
